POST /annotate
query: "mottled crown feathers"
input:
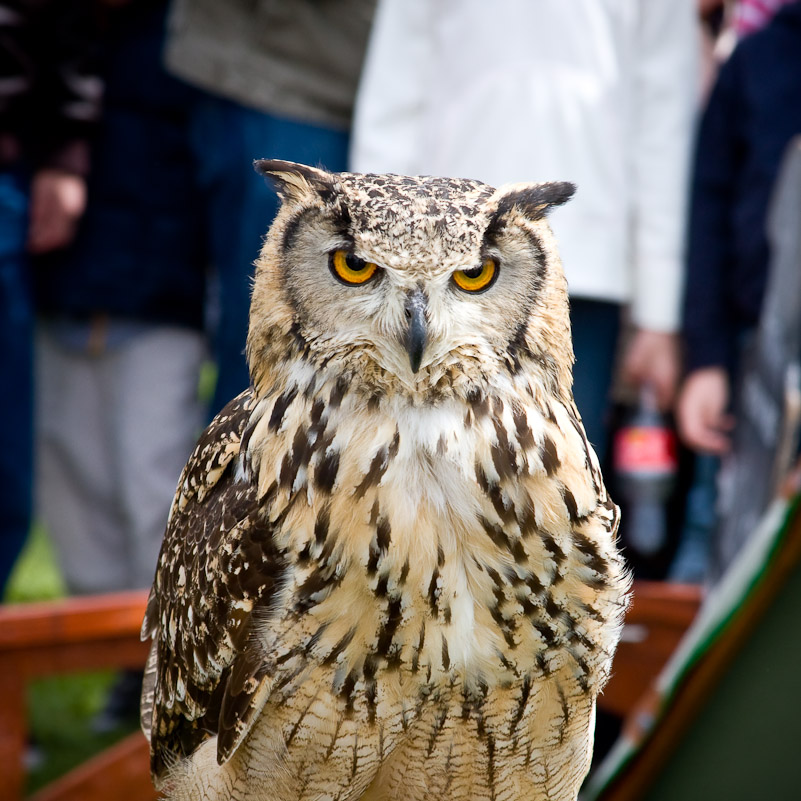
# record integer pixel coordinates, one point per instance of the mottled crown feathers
(292, 180)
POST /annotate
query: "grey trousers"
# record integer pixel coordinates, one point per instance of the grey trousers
(113, 432)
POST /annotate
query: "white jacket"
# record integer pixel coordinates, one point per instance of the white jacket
(598, 92)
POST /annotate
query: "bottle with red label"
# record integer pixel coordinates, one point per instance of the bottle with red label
(645, 460)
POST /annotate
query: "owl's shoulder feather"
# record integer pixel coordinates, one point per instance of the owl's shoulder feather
(217, 570)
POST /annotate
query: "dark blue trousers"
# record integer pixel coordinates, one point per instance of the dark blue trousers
(16, 373)
(596, 327)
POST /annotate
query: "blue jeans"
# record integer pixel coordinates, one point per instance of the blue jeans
(16, 368)
(596, 326)
(227, 138)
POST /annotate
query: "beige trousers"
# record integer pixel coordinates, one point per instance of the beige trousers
(113, 432)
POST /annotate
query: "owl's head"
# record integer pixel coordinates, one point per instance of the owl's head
(425, 286)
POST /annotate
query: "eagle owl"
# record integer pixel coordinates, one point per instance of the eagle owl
(390, 568)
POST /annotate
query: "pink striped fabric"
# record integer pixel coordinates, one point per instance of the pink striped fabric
(751, 15)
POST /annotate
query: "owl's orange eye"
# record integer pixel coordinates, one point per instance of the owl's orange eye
(350, 269)
(479, 278)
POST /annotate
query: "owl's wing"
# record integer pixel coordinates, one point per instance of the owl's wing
(217, 572)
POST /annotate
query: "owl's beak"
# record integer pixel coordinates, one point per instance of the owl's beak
(416, 332)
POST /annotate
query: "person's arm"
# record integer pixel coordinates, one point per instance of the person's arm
(57, 203)
(707, 326)
(66, 101)
(702, 409)
(665, 79)
(391, 96)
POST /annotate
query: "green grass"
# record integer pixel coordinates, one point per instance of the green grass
(60, 708)
(36, 576)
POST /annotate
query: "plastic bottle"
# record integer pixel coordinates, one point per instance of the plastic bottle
(645, 465)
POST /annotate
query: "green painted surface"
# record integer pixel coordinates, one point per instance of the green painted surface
(745, 745)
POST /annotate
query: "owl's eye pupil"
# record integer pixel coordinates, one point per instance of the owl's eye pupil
(355, 263)
(474, 273)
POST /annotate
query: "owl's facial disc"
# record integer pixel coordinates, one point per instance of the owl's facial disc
(408, 282)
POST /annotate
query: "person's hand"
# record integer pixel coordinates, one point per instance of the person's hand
(58, 200)
(652, 357)
(701, 414)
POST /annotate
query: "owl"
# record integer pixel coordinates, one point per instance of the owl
(390, 568)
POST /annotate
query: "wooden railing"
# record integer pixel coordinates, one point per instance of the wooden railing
(103, 632)
(659, 615)
(43, 639)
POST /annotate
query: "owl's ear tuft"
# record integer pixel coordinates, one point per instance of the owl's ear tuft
(293, 181)
(533, 201)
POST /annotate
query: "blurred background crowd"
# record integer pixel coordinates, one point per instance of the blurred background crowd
(130, 217)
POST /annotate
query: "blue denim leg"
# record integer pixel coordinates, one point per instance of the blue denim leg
(16, 364)
(692, 560)
(241, 207)
(596, 326)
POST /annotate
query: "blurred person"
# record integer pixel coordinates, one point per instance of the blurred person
(596, 92)
(278, 80)
(49, 100)
(753, 113)
(120, 340)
